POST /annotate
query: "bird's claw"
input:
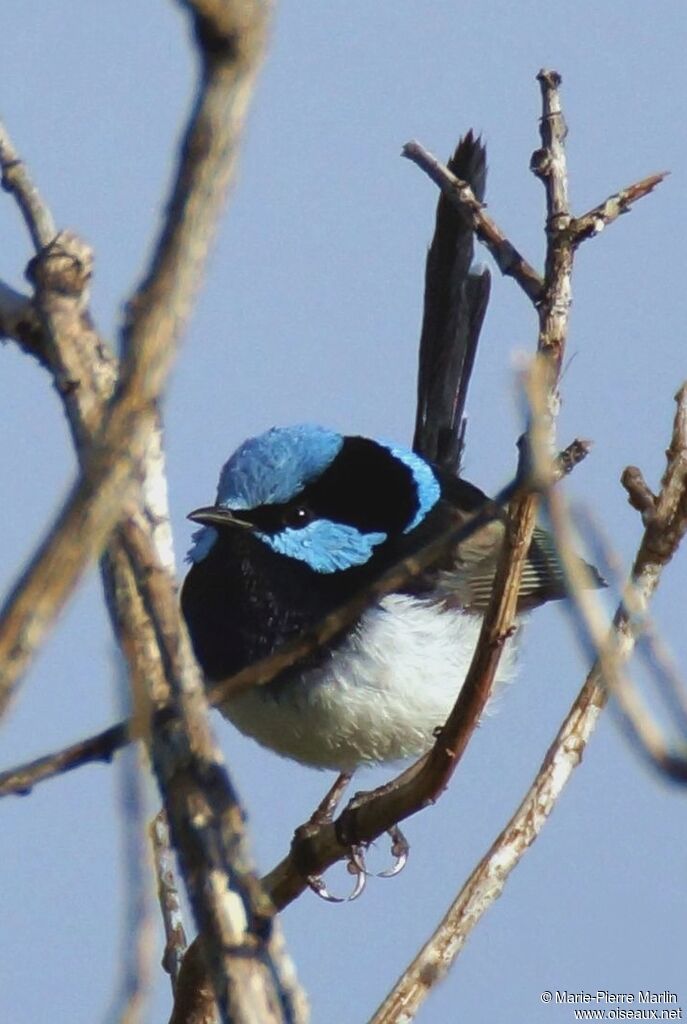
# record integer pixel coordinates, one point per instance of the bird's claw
(356, 866)
(399, 850)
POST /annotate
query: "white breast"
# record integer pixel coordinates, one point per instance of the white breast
(379, 697)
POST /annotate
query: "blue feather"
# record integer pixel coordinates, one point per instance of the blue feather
(272, 468)
(428, 489)
(324, 545)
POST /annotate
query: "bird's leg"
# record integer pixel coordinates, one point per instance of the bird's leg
(324, 812)
(323, 815)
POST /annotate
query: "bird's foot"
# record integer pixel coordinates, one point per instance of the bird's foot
(355, 866)
(323, 814)
(399, 851)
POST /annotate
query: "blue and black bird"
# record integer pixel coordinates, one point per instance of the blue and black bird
(305, 519)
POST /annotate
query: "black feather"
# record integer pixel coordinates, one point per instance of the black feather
(454, 307)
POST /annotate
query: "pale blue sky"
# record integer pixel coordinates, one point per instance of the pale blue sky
(311, 312)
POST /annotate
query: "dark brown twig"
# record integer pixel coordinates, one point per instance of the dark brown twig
(101, 747)
(506, 256)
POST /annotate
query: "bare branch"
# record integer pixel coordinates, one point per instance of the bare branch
(168, 898)
(156, 314)
(194, 1000)
(19, 322)
(595, 220)
(506, 256)
(101, 747)
(639, 495)
(489, 877)
(233, 916)
(16, 180)
(138, 932)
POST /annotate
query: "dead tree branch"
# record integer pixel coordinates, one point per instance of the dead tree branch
(16, 179)
(507, 258)
(659, 543)
(168, 898)
(231, 37)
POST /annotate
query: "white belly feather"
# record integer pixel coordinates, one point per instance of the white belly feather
(379, 697)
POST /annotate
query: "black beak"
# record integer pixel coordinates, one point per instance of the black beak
(216, 515)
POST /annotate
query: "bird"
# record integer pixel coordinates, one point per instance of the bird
(305, 519)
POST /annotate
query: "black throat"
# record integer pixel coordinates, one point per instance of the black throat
(243, 601)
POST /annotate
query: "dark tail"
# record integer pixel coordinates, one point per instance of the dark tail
(454, 307)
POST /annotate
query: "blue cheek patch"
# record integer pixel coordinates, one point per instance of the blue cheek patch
(428, 489)
(324, 545)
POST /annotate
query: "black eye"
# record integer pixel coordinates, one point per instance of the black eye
(297, 516)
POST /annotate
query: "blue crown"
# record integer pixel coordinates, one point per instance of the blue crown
(272, 468)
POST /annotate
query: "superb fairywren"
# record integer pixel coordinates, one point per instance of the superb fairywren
(305, 519)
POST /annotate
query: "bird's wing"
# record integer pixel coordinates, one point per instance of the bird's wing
(543, 579)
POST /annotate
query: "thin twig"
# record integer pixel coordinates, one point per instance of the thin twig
(100, 747)
(168, 898)
(17, 180)
(138, 926)
(507, 258)
(596, 219)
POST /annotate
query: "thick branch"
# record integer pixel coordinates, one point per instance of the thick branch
(155, 318)
(231, 39)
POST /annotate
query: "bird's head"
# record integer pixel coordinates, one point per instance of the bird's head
(311, 494)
